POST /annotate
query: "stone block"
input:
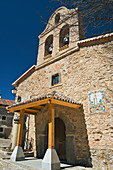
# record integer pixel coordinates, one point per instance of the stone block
(18, 154)
(51, 160)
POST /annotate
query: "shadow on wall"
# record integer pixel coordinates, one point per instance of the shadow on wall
(43, 143)
(77, 145)
(77, 150)
(71, 140)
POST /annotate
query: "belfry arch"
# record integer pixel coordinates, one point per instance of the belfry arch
(64, 36)
(49, 45)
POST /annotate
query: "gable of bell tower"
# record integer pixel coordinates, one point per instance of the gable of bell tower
(60, 35)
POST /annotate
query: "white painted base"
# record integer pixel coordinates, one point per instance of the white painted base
(51, 160)
(18, 154)
(14, 135)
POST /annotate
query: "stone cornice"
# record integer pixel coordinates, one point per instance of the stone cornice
(82, 43)
(23, 76)
(86, 42)
(95, 40)
(58, 57)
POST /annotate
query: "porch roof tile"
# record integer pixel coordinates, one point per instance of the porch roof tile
(53, 94)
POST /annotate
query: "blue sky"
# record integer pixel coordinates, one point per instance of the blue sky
(20, 26)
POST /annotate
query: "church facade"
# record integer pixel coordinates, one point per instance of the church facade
(76, 70)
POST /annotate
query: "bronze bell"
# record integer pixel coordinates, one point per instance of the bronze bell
(66, 39)
(50, 49)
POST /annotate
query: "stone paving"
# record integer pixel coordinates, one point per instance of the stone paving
(29, 163)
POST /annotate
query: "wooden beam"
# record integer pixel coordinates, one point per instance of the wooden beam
(27, 113)
(31, 110)
(59, 102)
(36, 108)
(51, 134)
(37, 105)
(20, 128)
(28, 105)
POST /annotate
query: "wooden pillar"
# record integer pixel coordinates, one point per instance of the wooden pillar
(20, 128)
(51, 160)
(51, 134)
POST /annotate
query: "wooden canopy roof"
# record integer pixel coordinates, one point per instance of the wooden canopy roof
(34, 105)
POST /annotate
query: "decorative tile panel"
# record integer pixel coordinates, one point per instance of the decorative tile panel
(96, 102)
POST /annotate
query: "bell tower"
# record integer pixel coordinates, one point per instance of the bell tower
(60, 35)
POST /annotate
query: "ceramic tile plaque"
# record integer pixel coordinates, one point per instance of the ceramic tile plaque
(96, 101)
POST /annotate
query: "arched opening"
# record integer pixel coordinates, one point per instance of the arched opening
(49, 45)
(57, 18)
(60, 139)
(64, 36)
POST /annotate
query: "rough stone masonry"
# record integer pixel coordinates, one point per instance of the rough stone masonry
(83, 66)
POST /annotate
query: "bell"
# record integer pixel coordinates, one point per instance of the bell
(50, 48)
(66, 39)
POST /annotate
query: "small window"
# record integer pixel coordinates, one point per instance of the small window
(57, 18)
(55, 79)
(3, 117)
(1, 129)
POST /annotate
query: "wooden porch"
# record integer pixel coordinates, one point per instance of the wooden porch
(31, 107)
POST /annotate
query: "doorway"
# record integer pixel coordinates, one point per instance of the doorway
(60, 139)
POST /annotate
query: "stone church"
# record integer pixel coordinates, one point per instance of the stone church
(68, 96)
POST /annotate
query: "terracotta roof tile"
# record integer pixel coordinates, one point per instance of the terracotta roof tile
(6, 102)
(54, 95)
(97, 39)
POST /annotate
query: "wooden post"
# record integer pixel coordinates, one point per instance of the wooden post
(51, 133)
(51, 160)
(20, 128)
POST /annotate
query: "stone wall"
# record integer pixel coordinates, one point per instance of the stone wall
(77, 150)
(88, 69)
(5, 124)
(54, 30)
(32, 134)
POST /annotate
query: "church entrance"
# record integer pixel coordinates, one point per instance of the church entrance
(60, 139)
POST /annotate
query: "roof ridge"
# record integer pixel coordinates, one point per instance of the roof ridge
(53, 94)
